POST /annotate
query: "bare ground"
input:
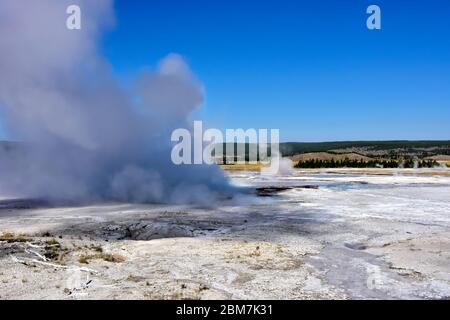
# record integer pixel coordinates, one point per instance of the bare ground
(261, 250)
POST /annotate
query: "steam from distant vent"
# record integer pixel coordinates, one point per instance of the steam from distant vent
(85, 137)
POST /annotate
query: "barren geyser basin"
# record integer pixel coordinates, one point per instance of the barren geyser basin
(339, 233)
(224, 150)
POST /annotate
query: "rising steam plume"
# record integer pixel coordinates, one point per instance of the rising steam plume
(85, 137)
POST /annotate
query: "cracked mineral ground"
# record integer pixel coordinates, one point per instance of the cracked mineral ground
(336, 234)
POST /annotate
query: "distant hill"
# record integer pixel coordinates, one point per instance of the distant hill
(328, 156)
(370, 148)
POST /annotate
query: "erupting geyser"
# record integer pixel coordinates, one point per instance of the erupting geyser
(84, 137)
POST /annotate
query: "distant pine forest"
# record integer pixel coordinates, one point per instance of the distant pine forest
(370, 148)
(347, 163)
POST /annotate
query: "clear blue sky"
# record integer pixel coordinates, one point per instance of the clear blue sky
(310, 68)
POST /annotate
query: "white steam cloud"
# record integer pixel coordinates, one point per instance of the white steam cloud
(86, 137)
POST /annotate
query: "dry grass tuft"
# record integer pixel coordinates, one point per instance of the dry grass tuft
(10, 237)
(52, 242)
(255, 253)
(116, 258)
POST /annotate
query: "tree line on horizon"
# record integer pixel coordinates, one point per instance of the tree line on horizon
(347, 163)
